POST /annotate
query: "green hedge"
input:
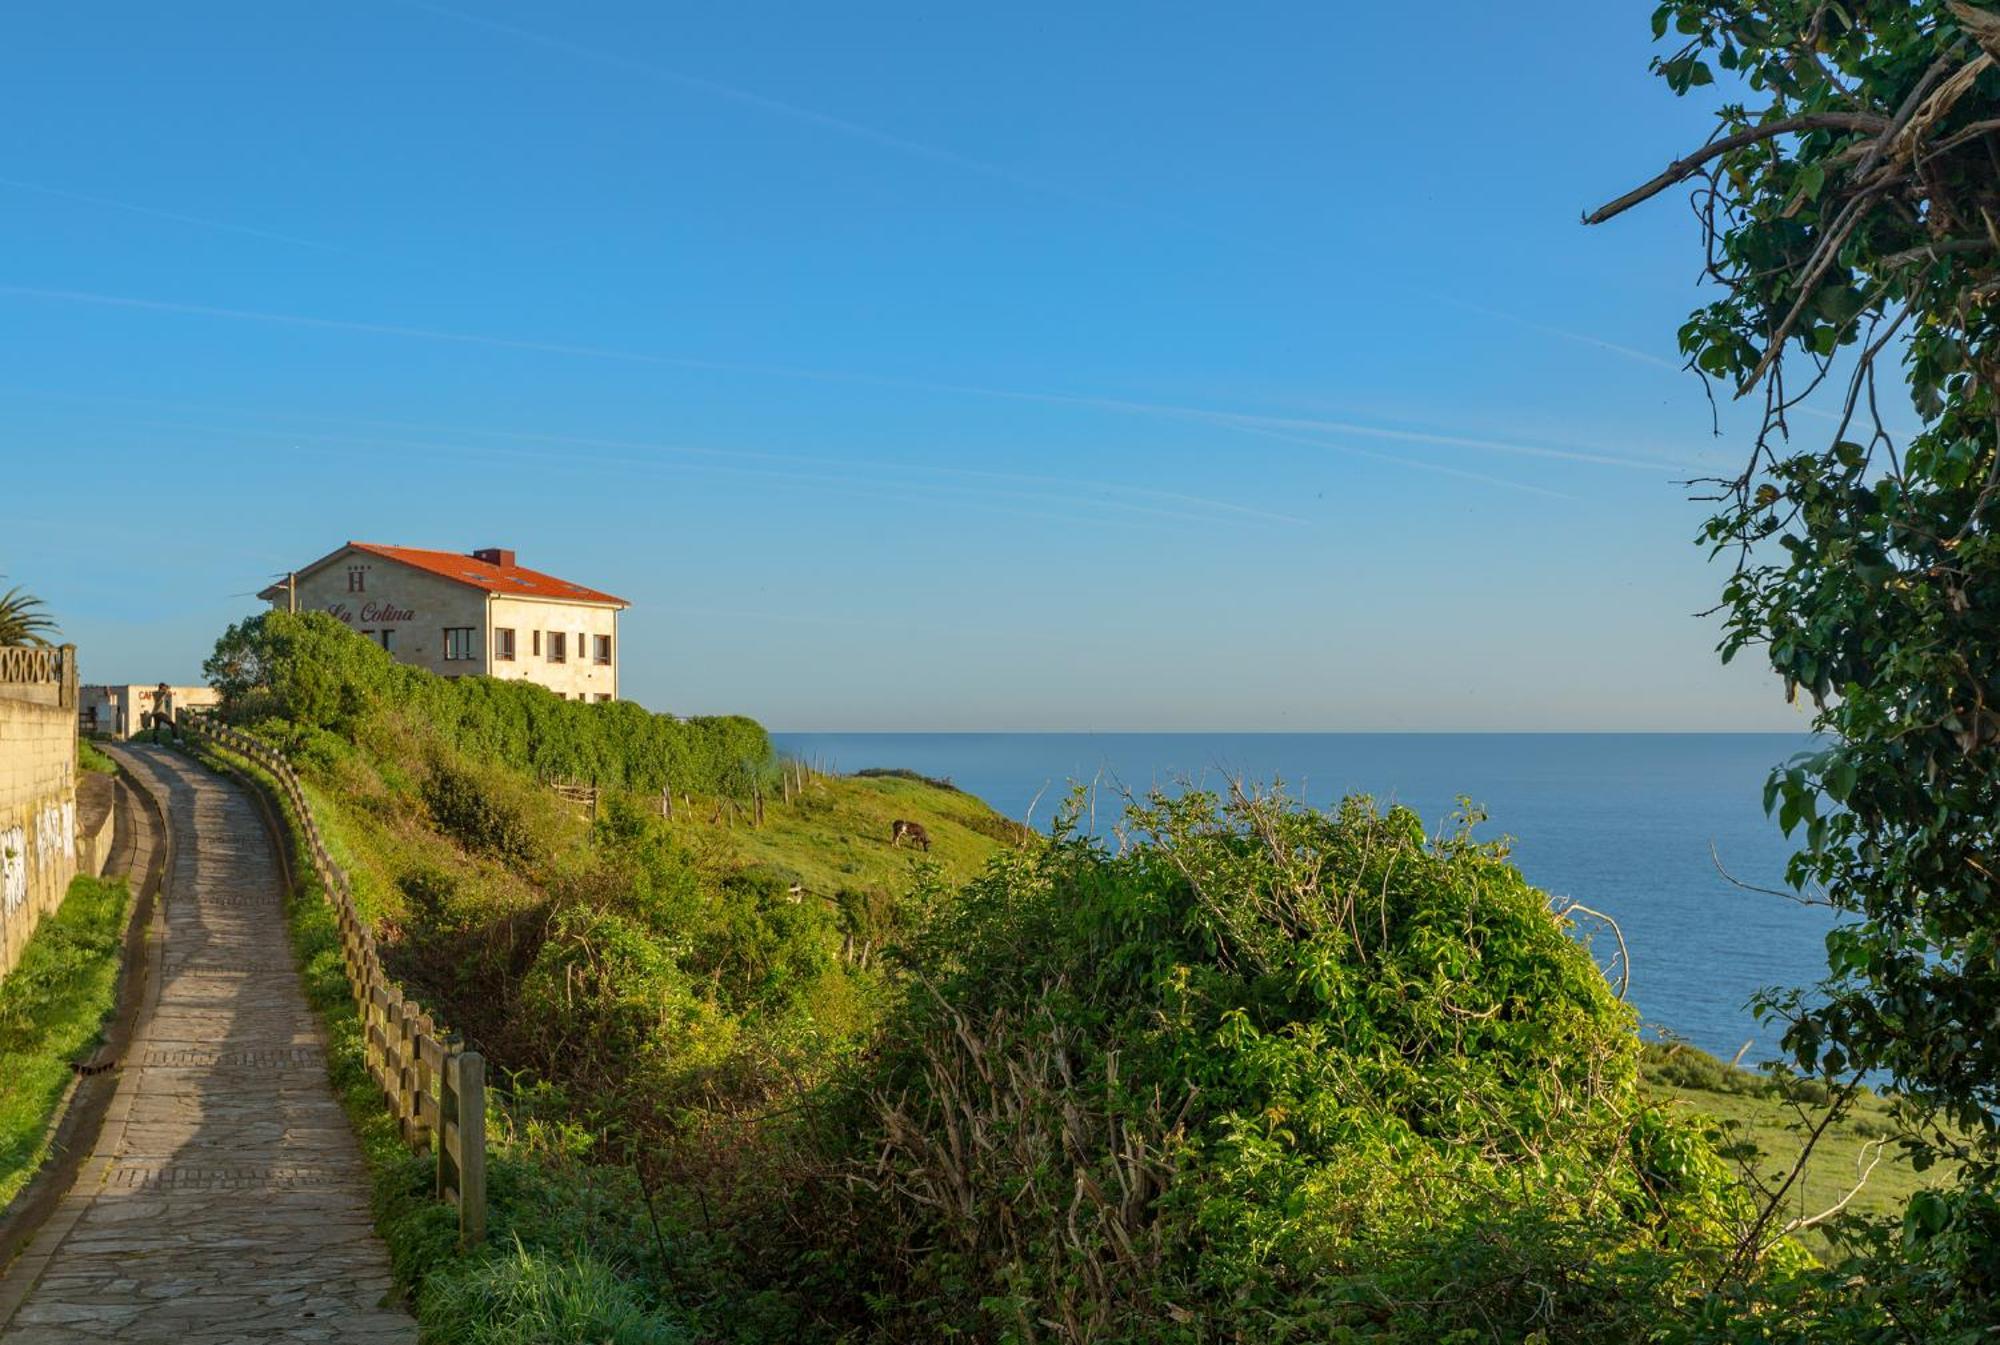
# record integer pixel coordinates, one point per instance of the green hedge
(311, 671)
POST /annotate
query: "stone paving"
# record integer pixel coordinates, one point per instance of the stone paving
(226, 1200)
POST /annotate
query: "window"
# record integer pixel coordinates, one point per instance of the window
(558, 646)
(503, 644)
(600, 650)
(603, 695)
(538, 644)
(381, 637)
(387, 643)
(460, 643)
(356, 579)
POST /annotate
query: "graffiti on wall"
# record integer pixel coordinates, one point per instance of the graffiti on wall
(55, 832)
(13, 869)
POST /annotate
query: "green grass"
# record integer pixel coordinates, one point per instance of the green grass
(1754, 1120)
(528, 1296)
(52, 1011)
(533, 1281)
(835, 833)
(88, 758)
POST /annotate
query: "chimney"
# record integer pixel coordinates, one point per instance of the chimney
(494, 555)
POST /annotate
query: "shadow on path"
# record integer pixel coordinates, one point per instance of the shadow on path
(227, 1200)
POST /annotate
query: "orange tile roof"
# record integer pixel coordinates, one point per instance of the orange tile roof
(510, 580)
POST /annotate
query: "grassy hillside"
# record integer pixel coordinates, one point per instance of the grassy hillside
(631, 978)
(1760, 1129)
(1265, 1074)
(836, 832)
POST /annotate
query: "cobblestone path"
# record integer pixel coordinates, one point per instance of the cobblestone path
(226, 1200)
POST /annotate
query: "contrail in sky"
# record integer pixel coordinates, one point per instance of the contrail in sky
(1043, 485)
(1581, 338)
(1409, 462)
(941, 154)
(899, 489)
(1244, 421)
(748, 98)
(132, 208)
(382, 329)
(1252, 421)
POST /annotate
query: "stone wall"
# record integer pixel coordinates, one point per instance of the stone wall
(38, 849)
(403, 609)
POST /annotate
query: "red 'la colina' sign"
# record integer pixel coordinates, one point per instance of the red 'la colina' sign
(371, 612)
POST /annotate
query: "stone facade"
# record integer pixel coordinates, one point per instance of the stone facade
(467, 623)
(38, 849)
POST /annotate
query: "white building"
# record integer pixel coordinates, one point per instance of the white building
(119, 711)
(461, 615)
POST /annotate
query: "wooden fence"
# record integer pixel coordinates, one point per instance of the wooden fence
(436, 1090)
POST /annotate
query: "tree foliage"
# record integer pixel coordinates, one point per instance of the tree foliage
(311, 671)
(1849, 202)
(23, 620)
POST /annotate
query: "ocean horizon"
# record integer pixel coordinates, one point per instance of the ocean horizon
(1648, 827)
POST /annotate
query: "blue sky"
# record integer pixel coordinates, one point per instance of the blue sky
(909, 366)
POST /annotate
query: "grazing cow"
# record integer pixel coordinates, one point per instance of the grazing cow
(899, 829)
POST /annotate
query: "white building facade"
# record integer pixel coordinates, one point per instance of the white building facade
(467, 614)
(121, 710)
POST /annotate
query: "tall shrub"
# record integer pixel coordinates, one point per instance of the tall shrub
(309, 669)
(1267, 1075)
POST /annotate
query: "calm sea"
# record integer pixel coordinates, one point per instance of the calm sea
(1631, 824)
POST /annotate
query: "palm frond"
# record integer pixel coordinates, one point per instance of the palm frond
(23, 620)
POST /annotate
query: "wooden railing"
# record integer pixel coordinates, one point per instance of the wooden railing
(436, 1091)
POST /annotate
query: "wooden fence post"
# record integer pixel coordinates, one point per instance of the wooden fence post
(422, 1040)
(447, 1145)
(471, 1148)
(406, 1070)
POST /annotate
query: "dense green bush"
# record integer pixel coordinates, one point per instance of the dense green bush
(613, 1006)
(1267, 1075)
(310, 671)
(483, 811)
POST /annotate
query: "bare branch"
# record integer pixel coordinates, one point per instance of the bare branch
(1734, 881)
(1624, 957)
(1680, 170)
(1799, 1225)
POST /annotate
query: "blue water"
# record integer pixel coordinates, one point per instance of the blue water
(1623, 823)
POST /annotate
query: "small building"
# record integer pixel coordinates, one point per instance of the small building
(465, 614)
(109, 710)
